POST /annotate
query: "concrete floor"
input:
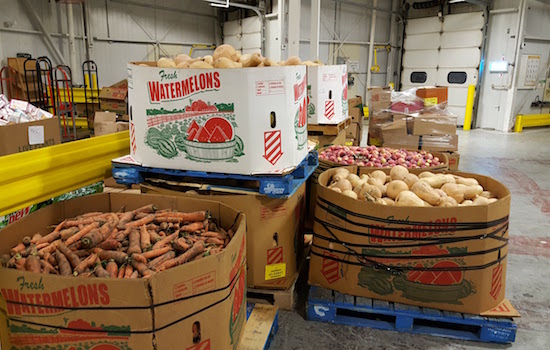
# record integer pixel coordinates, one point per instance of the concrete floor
(521, 162)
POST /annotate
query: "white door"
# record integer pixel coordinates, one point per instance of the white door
(244, 35)
(445, 54)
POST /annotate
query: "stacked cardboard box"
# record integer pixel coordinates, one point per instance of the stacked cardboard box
(108, 123)
(403, 120)
(355, 131)
(327, 94)
(114, 98)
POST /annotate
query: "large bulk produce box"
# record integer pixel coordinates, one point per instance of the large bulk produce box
(274, 230)
(327, 94)
(198, 305)
(442, 258)
(241, 121)
(28, 136)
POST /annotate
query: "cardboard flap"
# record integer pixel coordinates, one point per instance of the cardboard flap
(105, 117)
(504, 309)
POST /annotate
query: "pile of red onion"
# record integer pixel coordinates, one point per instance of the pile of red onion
(378, 157)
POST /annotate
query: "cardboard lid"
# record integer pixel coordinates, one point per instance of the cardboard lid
(111, 93)
(105, 117)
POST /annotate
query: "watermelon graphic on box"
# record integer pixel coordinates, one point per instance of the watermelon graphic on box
(300, 124)
(203, 131)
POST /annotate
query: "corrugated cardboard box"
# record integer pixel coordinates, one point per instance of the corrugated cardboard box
(239, 121)
(327, 94)
(398, 128)
(443, 143)
(356, 109)
(28, 136)
(454, 159)
(274, 236)
(198, 305)
(432, 95)
(114, 99)
(429, 257)
(328, 140)
(354, 131)
(434, 124)
(104, 123)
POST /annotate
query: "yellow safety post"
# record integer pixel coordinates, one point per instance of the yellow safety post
(518, 127)
(469, 107)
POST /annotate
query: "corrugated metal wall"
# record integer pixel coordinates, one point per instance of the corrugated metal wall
(122, 32)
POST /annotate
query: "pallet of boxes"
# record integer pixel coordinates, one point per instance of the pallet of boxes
(238, 136)
(113, 116)
(327, 104)
(415, 119)
(354, 133)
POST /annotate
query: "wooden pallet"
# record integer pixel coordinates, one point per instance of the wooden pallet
(283, 299)
(325, 305)
(261, 326)
(328, 129)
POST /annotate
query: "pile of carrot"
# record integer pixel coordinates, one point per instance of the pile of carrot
(130, 244)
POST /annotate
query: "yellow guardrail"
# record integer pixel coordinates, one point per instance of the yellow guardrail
(79, 96)
(32, 177)
(79, 122)
(530, 120)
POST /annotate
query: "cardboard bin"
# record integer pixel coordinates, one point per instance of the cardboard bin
(198, 305)
(328, 94)
(238, 121)
(430, 257)
(28, 136)
(274, 236)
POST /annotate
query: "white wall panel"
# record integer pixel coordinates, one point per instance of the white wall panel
(468, 57)
(466, 38)
(457, 96)
(422, 41)
(423, 25)
(421, 58)
(463, 21)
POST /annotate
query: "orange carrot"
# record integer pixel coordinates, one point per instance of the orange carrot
(134, 246)
(144, 221)
(135, 274)
(42, 245)
(213, 240)
(159, 260)
(154, 236)
(142, 268)
(82, 233)
(121, 271)
(149, 208)
(101, 272)
(187, 217)
(181, 245)
(26, 240)
(92, 239)
(33, 263)
(166, 240)
(70, 223)
(156, 252)
(106, 229)
(168, 219)
(139, 258)
(47, 267)
(128, 271)
(36, 237)
(195, 226)
(124, 219)
(119, 257)
(17, 249)
(63, 264)
(49, 249)
(86, 263)
(140, 216)
(190, 254)
(145, 238)
(110, 244)
(20, 263)
(68, 232)
(71, 256)
(112, 268)
(51, 259)
(89, 215)
(209, 234)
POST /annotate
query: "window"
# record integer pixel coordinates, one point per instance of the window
(457, 77)
(419, 77)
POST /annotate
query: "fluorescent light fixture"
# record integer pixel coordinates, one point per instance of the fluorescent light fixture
(498, 66)
(215, 3)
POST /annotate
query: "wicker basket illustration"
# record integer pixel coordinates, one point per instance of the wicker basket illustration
(211, 151)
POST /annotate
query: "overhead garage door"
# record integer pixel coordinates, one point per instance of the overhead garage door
(243, 34)
(445, 54)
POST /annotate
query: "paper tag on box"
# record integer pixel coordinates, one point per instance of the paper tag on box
(275, 271)
(36, 135)
(430, 101)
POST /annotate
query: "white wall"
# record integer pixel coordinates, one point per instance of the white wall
(111, 57)
(499, 105)
(342, 21)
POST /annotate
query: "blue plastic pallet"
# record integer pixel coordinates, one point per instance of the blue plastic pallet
(260, 333)
(274, 186)
(325, 305)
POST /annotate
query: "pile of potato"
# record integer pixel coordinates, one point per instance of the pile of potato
(402, 188)
(225, 56)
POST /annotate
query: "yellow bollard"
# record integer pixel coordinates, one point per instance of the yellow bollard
(86, 81)
(519, 123)
(94, 81)
(469, 107)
